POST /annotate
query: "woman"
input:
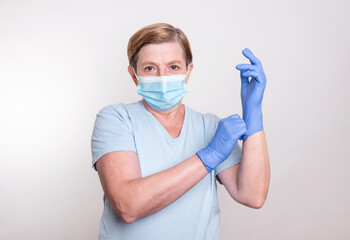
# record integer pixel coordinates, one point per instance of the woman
(158, 160)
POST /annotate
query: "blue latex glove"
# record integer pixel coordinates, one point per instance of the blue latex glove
(229, 130)
(252, 93)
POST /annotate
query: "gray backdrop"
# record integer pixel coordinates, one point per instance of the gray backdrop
(62, 61)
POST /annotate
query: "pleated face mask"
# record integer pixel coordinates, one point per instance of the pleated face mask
(162, 92)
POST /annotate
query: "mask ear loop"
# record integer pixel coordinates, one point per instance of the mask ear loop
(137, 77)
(186, 75)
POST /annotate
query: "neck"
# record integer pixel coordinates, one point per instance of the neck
(178, 110)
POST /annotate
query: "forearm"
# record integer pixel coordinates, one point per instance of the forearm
(145, 196)
(254, 172)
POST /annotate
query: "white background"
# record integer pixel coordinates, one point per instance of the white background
(62, 61)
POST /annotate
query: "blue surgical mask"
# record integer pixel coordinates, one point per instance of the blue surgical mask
(162, 92)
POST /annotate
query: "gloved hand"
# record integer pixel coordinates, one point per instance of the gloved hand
(229, 130)
(252, 93)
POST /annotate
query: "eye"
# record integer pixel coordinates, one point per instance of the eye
(174, 67)
(148, 69)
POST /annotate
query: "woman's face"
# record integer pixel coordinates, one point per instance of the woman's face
(161, 59)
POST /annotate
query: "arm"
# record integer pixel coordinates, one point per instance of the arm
(248, 181)
(133, 197)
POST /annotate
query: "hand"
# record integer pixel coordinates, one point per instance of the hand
(229, 130)
(252, 93)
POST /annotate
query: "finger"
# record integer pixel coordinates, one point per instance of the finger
(254, 75)
(253, 59)
(234, 116)
(244, 79)
(244, 84)
(248, 54)
(243, 129)
(247, 67)
(242, 132)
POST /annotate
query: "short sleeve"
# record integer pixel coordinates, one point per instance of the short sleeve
(234, 158)
(112, 132)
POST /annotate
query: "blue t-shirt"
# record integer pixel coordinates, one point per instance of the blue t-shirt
(131, 127)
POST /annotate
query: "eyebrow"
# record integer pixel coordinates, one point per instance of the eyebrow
(152, 63)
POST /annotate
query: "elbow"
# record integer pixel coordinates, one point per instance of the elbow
(257, 204)
(124, 210)
(127, 218)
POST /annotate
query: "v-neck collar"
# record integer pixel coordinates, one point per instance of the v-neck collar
(161, 128)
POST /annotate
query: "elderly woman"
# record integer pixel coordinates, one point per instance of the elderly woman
(158, 160)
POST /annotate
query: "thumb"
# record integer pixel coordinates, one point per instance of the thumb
(234, 116)
(244, 84)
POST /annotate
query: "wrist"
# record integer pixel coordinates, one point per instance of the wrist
(254, 123)
(210, 158)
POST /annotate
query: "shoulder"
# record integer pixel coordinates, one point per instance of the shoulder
(119, 110)
(115, 114)
(113, 121)
(114, 108)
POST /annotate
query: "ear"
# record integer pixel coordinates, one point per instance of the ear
(189, 70)
(131, 72)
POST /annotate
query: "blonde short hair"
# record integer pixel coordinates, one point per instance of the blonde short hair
(157, 33)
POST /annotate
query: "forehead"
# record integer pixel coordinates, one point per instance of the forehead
(160, 52)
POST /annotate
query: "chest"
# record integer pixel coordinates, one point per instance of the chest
(158, 151)
(172, 127)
